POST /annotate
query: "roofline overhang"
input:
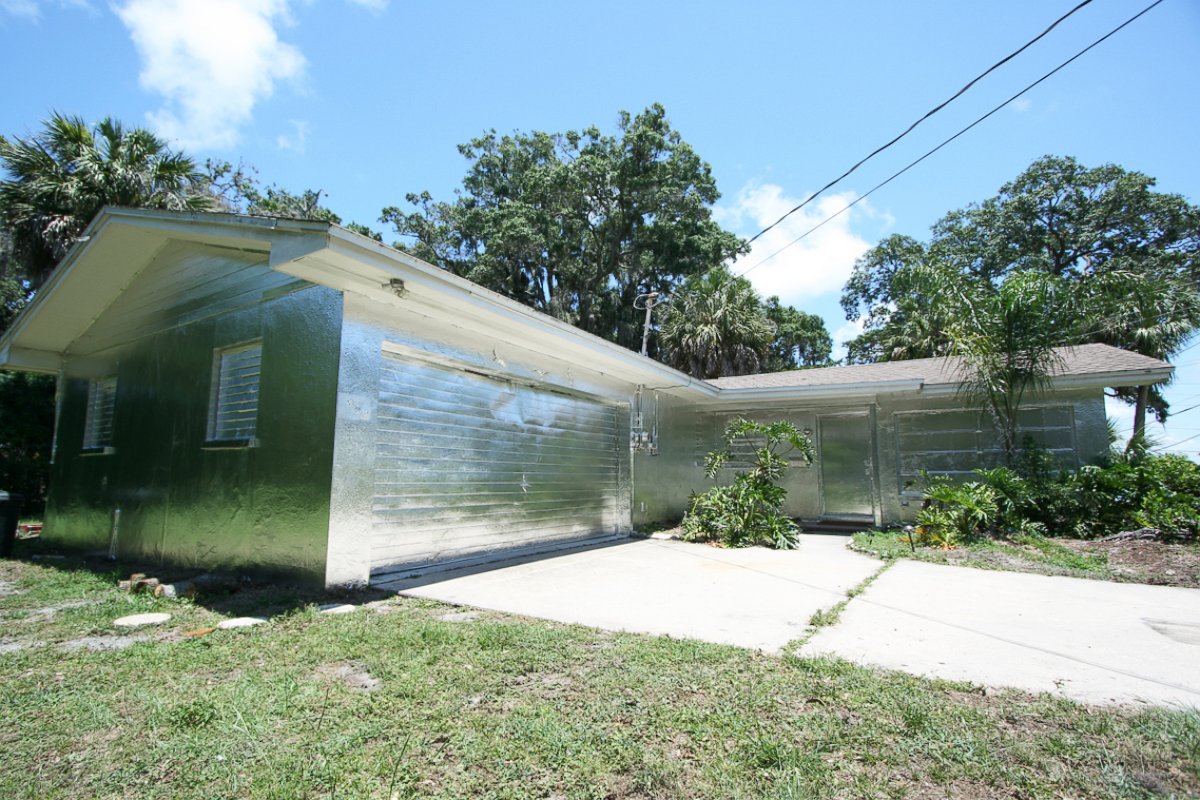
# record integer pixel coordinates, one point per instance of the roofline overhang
(1095, 380)
(1091, 380)
(827, 391)
(342, 259)
(251, 233)
(362, 265)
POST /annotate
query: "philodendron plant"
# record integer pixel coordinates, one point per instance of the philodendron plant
(749, 510)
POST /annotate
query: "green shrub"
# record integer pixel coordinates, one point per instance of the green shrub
(748, 511)
(955, 513)
(1170, 501)
(1134, 490)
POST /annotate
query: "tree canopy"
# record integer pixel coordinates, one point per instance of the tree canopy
(576, 224)
(238, 189)
(1126, 254)
(801, 339)
(57, 180)
(716, 326)
(54, 183)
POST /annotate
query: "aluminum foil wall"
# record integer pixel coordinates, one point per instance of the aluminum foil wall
(265, 506)
(902, 435)
(452, 446)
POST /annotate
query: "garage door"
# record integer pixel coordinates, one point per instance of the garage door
(468, 466)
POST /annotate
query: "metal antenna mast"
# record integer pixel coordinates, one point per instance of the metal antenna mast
(648, 302)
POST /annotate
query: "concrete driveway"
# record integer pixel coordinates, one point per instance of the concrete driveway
(1092, 641)
(751, 597)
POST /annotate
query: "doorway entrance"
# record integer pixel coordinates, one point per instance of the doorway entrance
(846, 449)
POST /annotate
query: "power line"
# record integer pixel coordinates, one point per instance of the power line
(927, 115)
(1189, 408)
(934, 150)
(1174, 444)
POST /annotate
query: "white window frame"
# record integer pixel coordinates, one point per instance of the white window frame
(236, 380)
(98, 419)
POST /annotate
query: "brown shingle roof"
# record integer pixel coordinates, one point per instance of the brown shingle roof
(1087, 359)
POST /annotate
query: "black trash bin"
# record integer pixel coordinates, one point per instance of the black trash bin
(10, 517)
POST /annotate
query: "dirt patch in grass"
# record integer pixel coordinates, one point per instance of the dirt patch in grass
(1128, 561)
(1147, 561)
(350, 674)
(101, 643)
(976, 790)
(994, 559)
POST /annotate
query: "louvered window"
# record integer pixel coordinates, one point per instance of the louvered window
(233, 410)
(98, 423)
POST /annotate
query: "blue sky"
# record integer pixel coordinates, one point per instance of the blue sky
(366, 100)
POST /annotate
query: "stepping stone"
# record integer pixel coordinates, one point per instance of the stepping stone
(240, 622)
(138, 620)
(460, 616)
(336, 608)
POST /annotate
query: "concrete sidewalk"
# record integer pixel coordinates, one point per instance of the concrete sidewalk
(751, 597)
(1093, 641)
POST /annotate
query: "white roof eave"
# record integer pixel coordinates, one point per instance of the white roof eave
(358, 264)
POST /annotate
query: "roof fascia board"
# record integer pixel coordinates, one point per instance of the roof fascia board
(239, 226)
(364, 266)
(828, 391)
(1091, 380)
(27, 360)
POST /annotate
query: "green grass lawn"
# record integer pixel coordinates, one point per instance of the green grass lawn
(393, 701)
(1027, 553)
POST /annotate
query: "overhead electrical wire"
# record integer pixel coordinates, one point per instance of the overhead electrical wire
(1173, 444)
(927, 115)
(934, 150)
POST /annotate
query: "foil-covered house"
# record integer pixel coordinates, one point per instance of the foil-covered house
(291, 396)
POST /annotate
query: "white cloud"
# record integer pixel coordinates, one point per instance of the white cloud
(842, 334)
(1120, 414)
(212, 61)
(296, 139)
(377, 6)
(818, 264)
(1022, 104)
(32, 9)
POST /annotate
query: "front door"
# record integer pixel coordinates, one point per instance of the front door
(847, 466)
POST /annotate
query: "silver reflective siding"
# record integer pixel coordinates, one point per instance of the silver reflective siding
(452, 447)
(869, 454)
(264, 506)
(469, 464)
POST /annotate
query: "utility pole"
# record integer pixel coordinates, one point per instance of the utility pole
(648, 301)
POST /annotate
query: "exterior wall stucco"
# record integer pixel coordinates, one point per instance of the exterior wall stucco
(260, 507)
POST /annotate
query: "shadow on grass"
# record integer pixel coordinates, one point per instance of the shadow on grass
(260, 593)
(227, 592)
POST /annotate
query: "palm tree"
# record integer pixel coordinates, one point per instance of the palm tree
(60, 178)
(1146, 312)
(717, 327)
(1008, 337)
